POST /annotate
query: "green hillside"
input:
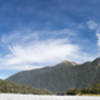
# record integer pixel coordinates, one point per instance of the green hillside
(61, 77)
(9, 87)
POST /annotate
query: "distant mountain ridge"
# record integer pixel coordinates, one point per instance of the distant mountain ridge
(61, 77)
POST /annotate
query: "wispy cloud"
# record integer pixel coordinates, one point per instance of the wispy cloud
(92, 25)
(23, 36)
(43, 52)
(98, 39)
(30, 51)
(95, 26)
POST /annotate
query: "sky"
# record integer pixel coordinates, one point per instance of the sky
(38, 33)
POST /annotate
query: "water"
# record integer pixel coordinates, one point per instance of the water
(37, 97)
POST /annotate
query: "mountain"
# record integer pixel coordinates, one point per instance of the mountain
(9, 87)
(61, 77)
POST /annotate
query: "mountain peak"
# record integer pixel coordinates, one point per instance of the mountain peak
(67, 61)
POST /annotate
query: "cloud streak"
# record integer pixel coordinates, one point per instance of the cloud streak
(31, 51)
(43, 52)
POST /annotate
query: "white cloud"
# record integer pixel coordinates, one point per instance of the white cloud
(28, 51)
(44, 52)
(9, 38)
(95, 26)
(92, 25)
(98, 41)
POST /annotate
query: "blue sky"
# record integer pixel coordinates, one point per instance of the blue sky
(37, 33)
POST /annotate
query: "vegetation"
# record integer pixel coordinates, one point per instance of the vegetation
(9, 87)
(95, 90)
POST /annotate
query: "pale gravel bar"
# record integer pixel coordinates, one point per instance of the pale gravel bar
(42, 97)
